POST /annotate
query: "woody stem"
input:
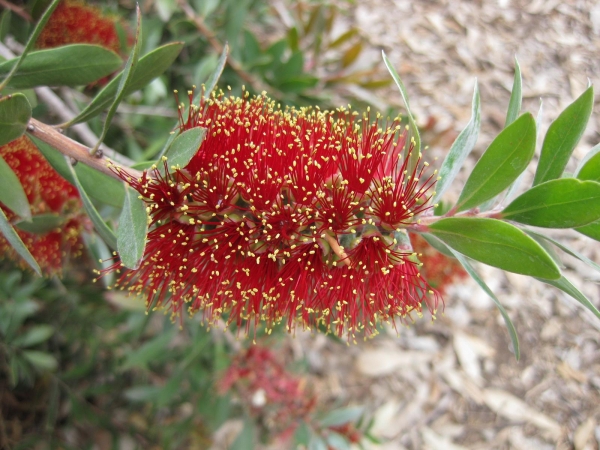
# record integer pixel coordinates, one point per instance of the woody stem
(77, 151)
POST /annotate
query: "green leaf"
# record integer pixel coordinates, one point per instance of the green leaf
(246, 440)
(497, 244)
(184, 147)
(566, 286)
(460, 149)
(516, 97)
(342, 416)
(11, 192)
(148, 68)
(15, 241)
(414, 130)
(15, 113)
(566, 249)
(34, 336)
(590, 169)
(437, 244)
(71, 65)
(562, 137)
(514, 337)
(133, 227)
(591, 230)
(101, 228)
(97, 185)
(562, 203)
(126, 77)
(30, 42)
(41, 223)
(41, 360)
(501, 164)
(210, 84)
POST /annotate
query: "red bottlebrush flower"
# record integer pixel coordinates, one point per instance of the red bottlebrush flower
(285, 215)
(48, 193)
(439, 270)
(75, 22)
(276, 397)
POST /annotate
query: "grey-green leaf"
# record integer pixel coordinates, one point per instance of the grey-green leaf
(11, 192)
(501, 164)
(497, 244)
(415, 137)
(71, 65)
(590, 170)
(460, 149)
(514, 337)
(34, 336)
(133, 227)
(566, 286)
(126, 77)
(15, 241)
(562, 203)
(99, 186)
(184, 147)
(591, 230)
(31, 41)
(148, 68)
(41, 360)
(101, 228)
(15, 113)
(566, 249)
(41, 223)
(562, 137)
(516, 97)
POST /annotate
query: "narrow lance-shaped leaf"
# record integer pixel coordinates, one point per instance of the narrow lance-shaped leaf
(41, 223)
(70, 65)
(501, 164)
(101, 228)
(414, 130)
(184, 147)
(516, 97)
(210, 84)
(562, 203)
(566, 249)
(497, 244)
(15, 241)
(562, 137)
(589, 168)
(126, 77)
(514, 187)
(148, 68)
(15, 113)
(566, 286)
(31, 42)
(460, 149)
(11, 192)
(509, 325)
(591, 230)
(133, 227)
(97, 185)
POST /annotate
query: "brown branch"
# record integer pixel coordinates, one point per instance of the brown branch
(77, 151)
(214, 42)
(16, 9)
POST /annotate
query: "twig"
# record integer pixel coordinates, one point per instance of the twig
(58, 107)
(77, 151)
(16, 9)
(214, 42)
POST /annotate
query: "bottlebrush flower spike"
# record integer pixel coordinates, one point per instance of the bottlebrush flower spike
(285, 215)
(48, 193)
(75, 22)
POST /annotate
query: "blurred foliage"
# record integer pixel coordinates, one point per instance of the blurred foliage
(81, 367)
